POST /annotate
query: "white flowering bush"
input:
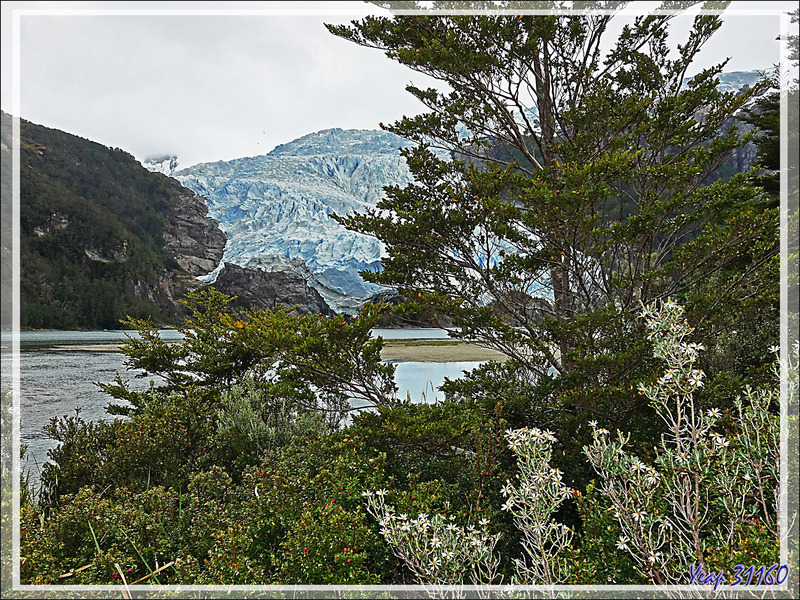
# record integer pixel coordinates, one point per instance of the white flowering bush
(436, 549)
(533, 500)
(440, 551)
(702, 483)
(748, 483)
(711, 481)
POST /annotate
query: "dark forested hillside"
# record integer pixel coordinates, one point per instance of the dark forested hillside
(5, 220)
(101, 237)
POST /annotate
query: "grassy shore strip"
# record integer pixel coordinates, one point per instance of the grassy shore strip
(397, 350)
(438, 351)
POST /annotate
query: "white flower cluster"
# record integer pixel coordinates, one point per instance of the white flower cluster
(537, 494)
(438, 550)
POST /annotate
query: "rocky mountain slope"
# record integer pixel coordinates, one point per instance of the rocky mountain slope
(102, 238)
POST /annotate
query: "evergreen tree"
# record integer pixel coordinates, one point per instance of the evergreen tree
(557, 187)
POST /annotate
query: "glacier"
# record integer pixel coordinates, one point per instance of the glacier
(276, 208)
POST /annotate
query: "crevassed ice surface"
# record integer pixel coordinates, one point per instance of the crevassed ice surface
(276, 209)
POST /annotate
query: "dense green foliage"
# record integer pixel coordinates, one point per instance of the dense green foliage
(91, 246)
(237, 483)
(255, 483)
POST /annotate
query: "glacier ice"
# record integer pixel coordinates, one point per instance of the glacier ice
(276, 208)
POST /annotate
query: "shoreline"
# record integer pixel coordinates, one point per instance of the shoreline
(438, 352)
(433, 351)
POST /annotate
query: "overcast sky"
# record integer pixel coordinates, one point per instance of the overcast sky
(223, 86)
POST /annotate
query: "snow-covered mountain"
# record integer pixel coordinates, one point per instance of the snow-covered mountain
(166, 164)
(276, 208)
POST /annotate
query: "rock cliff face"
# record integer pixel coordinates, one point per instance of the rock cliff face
(194, 239)
(265, 290)
(197, 243)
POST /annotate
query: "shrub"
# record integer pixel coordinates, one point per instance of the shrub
(77, 460)
(533, 502)
(88, 535)
(249, 423)
(436, 549)
(703, 486)
(704, 498)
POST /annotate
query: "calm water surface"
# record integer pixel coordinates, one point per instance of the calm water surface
(55, 379)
